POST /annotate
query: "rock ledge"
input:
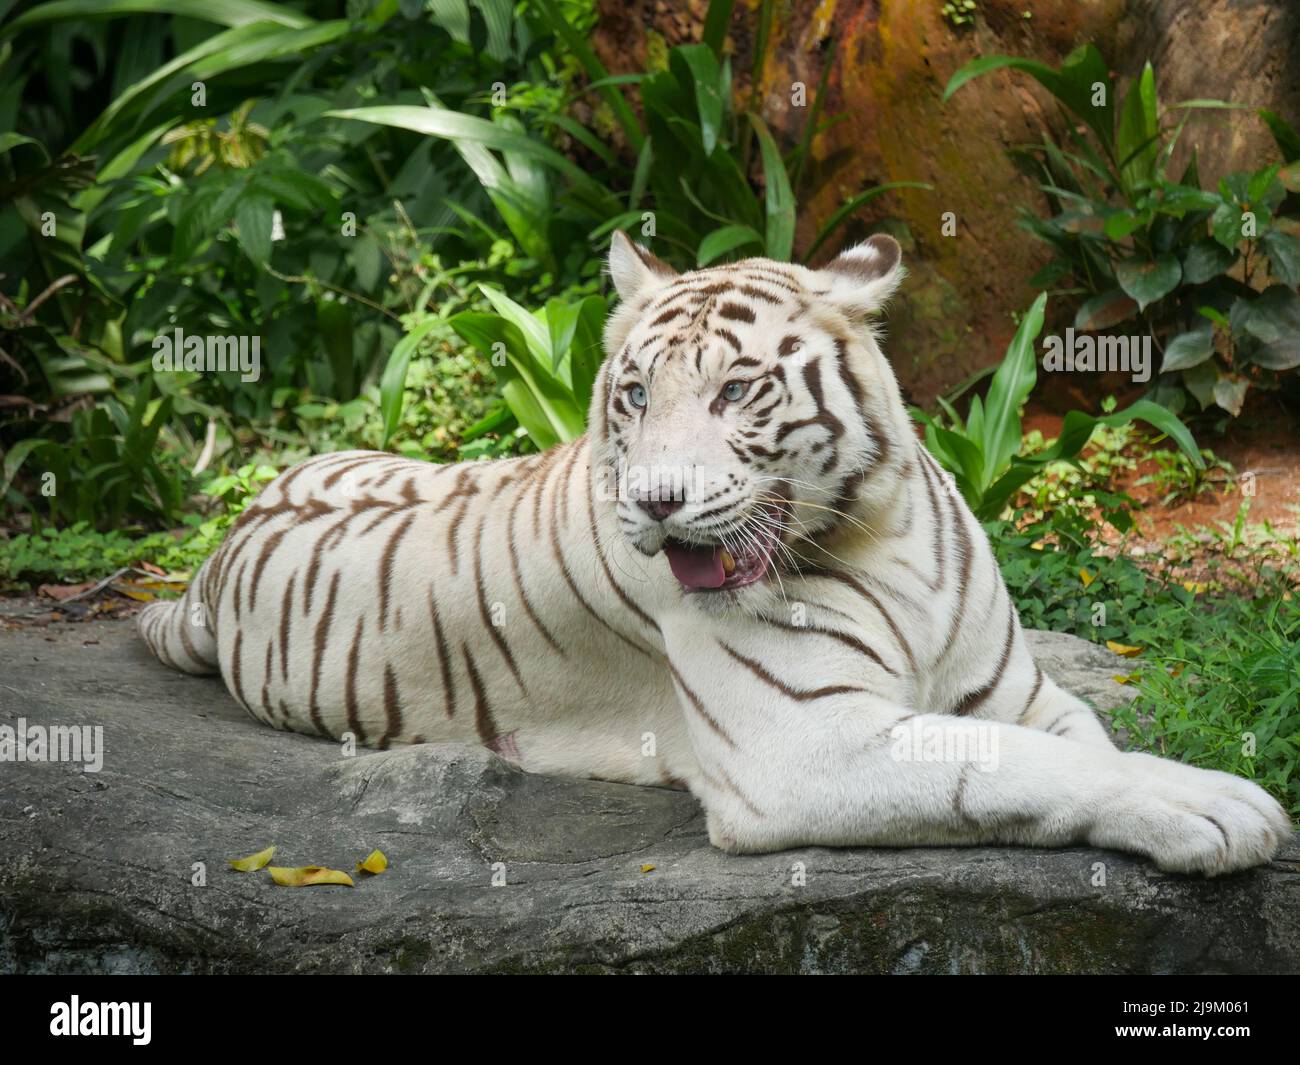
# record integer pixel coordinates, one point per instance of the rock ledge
(96, 869)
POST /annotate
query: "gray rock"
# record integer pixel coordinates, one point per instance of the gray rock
(97, 870)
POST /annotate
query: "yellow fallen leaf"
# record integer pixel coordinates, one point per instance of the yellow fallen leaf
(1123, 649)
(253, 862)
(1124, 678)
(1086, 577)
(647, 868)
(134, 591)
(1195, 587)
(308, 875)
(376, 863)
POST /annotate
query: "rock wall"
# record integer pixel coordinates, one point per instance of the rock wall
(891, 61)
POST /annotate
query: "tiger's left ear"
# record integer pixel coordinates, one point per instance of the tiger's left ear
(633, 269)
(862, 278)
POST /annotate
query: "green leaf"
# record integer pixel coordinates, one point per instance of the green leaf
(254, 215)
(1283, 251)
(1274, 320)
(964, 459)
(704, 74)
(1122, 223)
(497, 418)
(222, 12)
(118, 167)
(456, 127)
(1288, 140)
(1178, 200)
(586, 350)
(534, 332)
(1104, 310)
(335, 325)
(1078, 427)
(1010, 386)
(10, 141)
(1215, 316)
(845, 210)
(723, 240)
(367, 260)
(995, 498)
(561, 320)
(716, 24)
(779, 199)
(17, 455)
(1048, 76)
(1148, 281)
(392, 385)
(1189, 349)
(1225, 224)
(1199, 381)
(1205, 260)
(1073, 85)
(229, 50)
(547, 411)
(1136, 140)
(1230, 393)
(1264, 187)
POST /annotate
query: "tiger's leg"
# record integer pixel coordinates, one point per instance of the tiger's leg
(1055, 711)
(786, 766)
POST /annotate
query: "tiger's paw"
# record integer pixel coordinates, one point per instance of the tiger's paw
(1190, 820)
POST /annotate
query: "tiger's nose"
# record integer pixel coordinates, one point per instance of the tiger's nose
(660, 508)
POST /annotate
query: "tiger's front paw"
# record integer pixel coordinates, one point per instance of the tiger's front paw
(1190, 820)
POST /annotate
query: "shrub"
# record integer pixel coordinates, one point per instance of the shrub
(1211, 274)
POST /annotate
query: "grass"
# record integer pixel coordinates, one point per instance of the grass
(1223, 692)
(1217, 676)
(80, 552)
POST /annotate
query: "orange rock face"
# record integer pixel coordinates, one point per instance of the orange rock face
(890, 62)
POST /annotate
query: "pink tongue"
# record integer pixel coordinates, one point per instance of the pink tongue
(696, 567)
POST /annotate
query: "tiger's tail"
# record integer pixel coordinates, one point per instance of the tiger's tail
(179, 631)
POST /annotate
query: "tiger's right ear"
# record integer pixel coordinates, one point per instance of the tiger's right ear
(633, 269)
(862, 278)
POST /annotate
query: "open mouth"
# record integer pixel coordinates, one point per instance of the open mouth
(714, 568)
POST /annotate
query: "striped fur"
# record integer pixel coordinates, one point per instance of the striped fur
(527, 605)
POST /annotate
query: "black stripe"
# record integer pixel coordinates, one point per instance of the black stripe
(847, 639)
(871, 598)
(698, 706)
(972, 701)
(483, 722)
(444, 658)
(798, 694)
(1033, 694)
(392, 708)
(350, 686)
(486, 615)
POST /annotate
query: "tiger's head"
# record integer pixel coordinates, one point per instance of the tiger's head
(746, 409)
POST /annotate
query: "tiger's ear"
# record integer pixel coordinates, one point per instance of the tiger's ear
(634, 269)
(862, 278)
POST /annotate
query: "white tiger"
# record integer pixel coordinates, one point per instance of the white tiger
(748, 579)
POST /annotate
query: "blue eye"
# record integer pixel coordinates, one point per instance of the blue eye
(636, 395)
(735, 390)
